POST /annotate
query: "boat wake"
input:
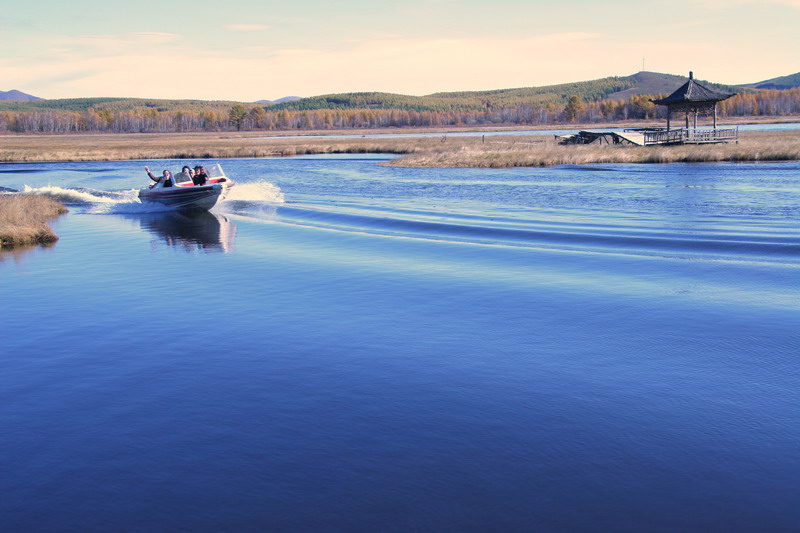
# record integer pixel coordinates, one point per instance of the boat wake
(257, 192)
(80, 196)
(610, 237)
(98, 202)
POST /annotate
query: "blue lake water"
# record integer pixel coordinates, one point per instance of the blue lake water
(344, 346)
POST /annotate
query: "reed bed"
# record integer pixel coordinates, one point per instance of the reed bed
(431, 151)
(527, 151)
(89, 147)
(24, 218)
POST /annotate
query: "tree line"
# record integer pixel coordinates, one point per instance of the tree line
(768, 102)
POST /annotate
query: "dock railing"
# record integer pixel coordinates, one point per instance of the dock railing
(712, 136)
(687, 136)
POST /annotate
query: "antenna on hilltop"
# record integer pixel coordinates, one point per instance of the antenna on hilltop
(642, 64)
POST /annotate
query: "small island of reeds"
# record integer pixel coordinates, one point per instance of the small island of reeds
(24, 218)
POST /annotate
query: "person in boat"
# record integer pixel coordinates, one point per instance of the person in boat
(199, 176)
(166, 177)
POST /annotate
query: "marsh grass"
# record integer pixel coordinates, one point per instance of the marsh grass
(524, 152)
(431, 151)
(87, 147)
(24, 217)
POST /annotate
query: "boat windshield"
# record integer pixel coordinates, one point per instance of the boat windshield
(214, 171)
(182, 177)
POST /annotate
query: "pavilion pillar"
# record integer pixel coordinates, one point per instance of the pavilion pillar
(715, 115)
(669, 112)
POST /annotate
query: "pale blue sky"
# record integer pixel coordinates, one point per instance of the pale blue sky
(254, 49)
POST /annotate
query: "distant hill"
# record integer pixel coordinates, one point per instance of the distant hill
(617, 88)
(116, 105)
(17, 96)
(655, 83)
(462, 101)
(279, 100)
(551, 96)
(784, 82)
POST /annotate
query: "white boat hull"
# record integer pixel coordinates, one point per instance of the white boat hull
(185, 198)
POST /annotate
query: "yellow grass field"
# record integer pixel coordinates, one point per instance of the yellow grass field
(430, 151)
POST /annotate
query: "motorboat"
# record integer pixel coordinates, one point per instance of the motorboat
(180, 192)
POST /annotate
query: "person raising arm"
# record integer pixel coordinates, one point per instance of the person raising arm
(164, 177)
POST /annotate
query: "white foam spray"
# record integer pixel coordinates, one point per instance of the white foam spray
(71, 196)
(98, 202)
(260, 191)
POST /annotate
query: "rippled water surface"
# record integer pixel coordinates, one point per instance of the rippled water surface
(344, 346)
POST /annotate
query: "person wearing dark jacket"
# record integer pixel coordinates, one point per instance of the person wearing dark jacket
(166, 177)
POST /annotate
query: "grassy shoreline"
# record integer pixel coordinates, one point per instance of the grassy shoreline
(752, 147)
(497, 151)
(24, 219)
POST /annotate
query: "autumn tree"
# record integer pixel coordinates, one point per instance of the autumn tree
(573, 108)
(237, 115)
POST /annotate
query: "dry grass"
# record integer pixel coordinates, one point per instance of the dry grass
(89, 147)
(431, 151)
(526, 151)
(23, 219)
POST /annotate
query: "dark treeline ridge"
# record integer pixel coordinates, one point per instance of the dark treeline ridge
(784, 82)
(462, 101)
(586, 102)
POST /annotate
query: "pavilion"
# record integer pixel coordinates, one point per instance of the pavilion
(693, 98)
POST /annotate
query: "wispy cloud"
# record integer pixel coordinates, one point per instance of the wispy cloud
(129, 39)
(117, 44)
(246, 27)
(789, 3)
(723, 4)
(154, 37)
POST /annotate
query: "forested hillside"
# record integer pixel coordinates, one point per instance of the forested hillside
(116, 105)
(784, 82)
(463, 101)
(607, 99)
(615, 88)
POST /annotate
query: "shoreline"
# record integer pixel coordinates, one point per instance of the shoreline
(425, 150)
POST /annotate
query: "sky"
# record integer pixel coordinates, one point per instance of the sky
(248, 50)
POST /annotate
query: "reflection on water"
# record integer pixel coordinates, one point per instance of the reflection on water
(203, 231)
(16, 251)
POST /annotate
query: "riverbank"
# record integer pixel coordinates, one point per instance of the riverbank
(24, 219)
(424, 151)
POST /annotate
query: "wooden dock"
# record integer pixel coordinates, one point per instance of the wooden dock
(653, 136)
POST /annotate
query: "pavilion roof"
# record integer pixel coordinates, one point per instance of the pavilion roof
(691, 91)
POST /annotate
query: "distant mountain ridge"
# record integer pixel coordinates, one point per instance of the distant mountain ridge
(784, 82)
(611, 88)
(280, 100)
(117, 105)
(655, 83)
(18, 96)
